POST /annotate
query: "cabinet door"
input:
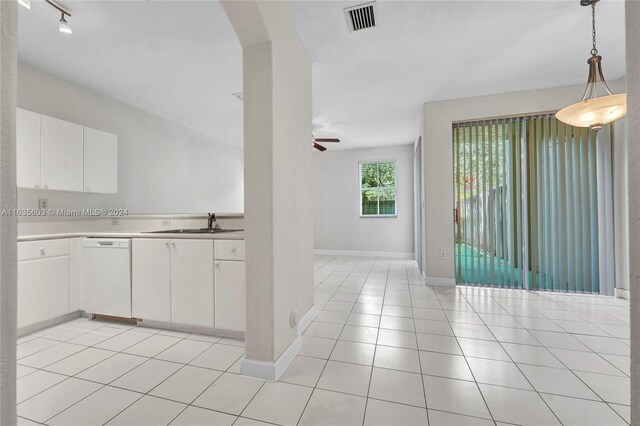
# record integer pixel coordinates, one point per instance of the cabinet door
(76, 268)
(230, 295)
(192, 282)
(27, 149)
(100, 161)
(61, 154)
(43, 289)
(151, 279)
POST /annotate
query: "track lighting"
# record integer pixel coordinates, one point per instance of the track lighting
(64, 25)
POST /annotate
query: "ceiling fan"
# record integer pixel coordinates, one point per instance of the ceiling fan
(317, 141)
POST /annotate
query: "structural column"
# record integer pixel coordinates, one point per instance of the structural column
(633, 159)
(8, 223)
(277, 179)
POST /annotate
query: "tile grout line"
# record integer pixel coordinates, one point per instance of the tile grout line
(109, 384)
(455, 336)
(514, 363)
(375, 348)
(359, 261)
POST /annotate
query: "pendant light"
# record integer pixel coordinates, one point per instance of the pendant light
(599, 105)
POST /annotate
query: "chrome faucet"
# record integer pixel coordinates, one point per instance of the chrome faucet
(212, 223)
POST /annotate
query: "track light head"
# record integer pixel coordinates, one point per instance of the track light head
(64, 25)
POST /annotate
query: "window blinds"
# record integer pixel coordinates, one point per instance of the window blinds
(532, 205)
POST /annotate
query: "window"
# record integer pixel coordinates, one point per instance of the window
(378, 189)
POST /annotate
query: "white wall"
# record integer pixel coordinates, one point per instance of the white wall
(162, 166)
(633, 102)
(337, 221)
(8, 257)
(438, 160)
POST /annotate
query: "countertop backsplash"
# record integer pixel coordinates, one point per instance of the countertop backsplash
(117, 224)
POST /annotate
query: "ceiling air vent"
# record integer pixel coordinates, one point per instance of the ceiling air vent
(361, 17)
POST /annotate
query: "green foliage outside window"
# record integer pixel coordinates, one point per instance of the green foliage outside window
(378, 189)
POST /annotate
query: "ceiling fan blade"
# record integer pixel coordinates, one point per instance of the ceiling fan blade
(326, 140)
(319, 147)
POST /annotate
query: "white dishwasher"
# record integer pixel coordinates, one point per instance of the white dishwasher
(107, 275)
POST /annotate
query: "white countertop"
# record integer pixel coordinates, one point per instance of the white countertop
(236, 235)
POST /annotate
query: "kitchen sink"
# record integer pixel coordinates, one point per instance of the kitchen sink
(194, 231)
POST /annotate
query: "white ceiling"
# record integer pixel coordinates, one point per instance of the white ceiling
(181, 59)
(369, 86)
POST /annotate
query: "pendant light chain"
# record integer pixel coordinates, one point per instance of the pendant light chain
(594, 51)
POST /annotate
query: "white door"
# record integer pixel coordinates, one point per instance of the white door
(192, 282)
(100, 161)
(27, 149)
(43, 289)
(230, 295)
(151, 279)
(61, 154)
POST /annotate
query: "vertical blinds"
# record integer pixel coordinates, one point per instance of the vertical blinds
(529, 196)
(488, 227)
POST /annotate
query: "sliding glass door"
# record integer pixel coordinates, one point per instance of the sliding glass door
(528, 195)
(487, 221)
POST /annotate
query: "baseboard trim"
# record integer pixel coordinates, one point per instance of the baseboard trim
(271, 370)
(48, 323)
(393, 254)
(441, 282)
(197, 329)
(306, 319)
(622, 293)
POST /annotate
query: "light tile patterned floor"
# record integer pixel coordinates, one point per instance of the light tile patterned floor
(383, 350)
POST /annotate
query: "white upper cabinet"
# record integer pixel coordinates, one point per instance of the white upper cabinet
(100, 161)
(28, 149)
(57, 154)
(61, 154)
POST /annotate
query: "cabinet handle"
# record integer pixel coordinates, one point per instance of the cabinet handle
(233, 250)
(166, 243)
(218, 265)
(43, 251)
(173, 243)
(46, 186)
(37, 186)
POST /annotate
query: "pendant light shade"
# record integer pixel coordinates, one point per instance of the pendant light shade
(594, 113)
(63, 26)
(599, 105)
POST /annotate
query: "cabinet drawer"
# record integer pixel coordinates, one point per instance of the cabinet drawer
(229, 249)
(28, 250)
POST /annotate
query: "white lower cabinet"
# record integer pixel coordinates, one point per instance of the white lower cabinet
(230, 295)
(172, 281)
(181, 281)
(192, 282)
(151, 279)
(43, 281)
(76, 268)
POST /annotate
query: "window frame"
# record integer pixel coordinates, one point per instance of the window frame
(395, 189)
